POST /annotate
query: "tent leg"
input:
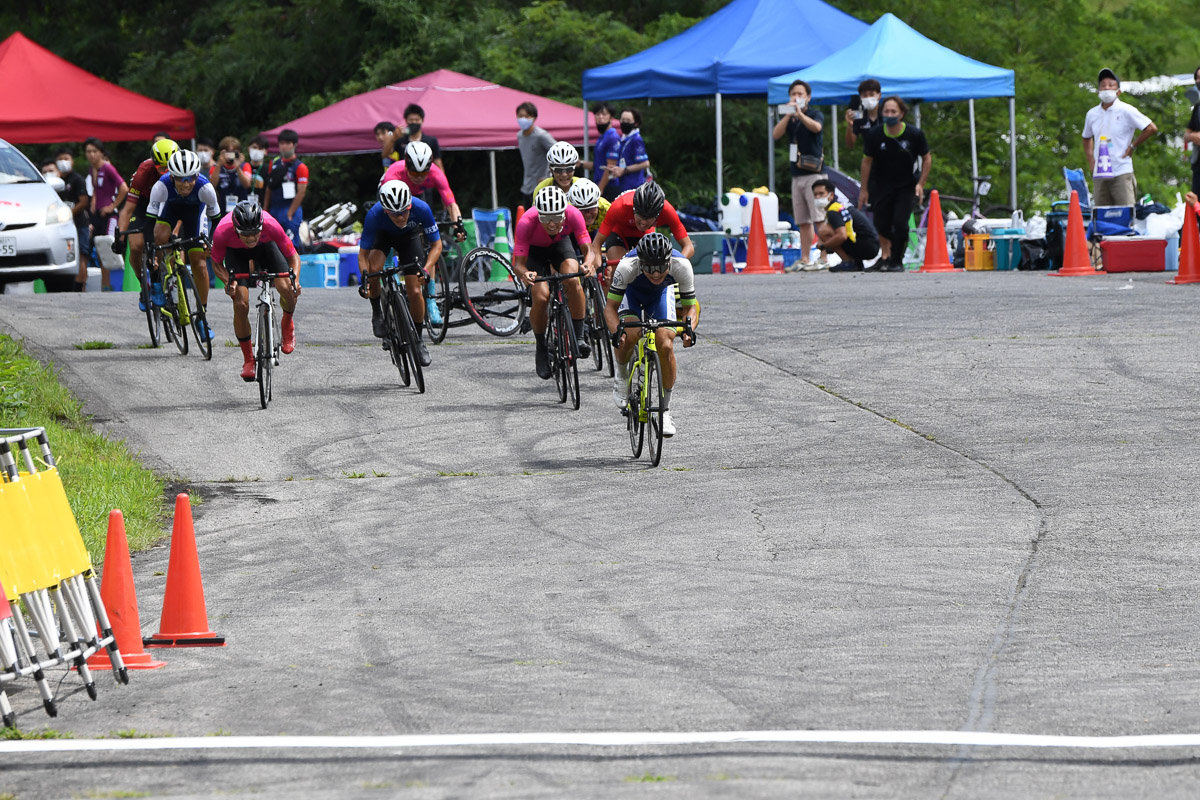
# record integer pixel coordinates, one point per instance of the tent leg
(492, 162)
(770, 149)
(917, 113)
(720, 188)
(974, 153)
(833, 120)
(1012, 151)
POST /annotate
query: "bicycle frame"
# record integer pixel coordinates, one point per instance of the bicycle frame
(647, 342)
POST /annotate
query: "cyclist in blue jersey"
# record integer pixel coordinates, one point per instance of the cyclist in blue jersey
(644, 286)
(397, 223)
(184, 196)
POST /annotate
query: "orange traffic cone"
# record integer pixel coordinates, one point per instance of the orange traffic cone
(520, 212)
(1189, 250)
(937, 255)
(120, 601)
(1077, 261)
(184, 620)
(758, 259)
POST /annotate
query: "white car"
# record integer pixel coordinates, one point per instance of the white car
(37, 231)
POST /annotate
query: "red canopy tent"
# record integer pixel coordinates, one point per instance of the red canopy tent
(463, 112)
(47, 99)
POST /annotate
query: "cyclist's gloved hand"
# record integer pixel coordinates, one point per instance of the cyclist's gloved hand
(231, 287)
(616, 337)
(460, 232)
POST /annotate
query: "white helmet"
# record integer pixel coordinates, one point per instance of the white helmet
(419, 156)
(550, 202)
(395, 196)
(184, 164)
(562, 155)
(584, 194)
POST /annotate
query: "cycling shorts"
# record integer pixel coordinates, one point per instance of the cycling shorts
(266, 257)
(407, 245)
(544, 260)
(139, 222)
(657, 302)
(195, 221)
(617, 240)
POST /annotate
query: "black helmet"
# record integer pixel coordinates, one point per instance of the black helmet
(648, 200)
(654, 253)
(247, 217)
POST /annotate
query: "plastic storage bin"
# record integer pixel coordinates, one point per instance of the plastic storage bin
(348, 274)
(737, 209)
(1007, 243)
(979, 256)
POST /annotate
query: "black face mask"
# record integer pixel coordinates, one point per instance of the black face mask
(602, 126)
(626, 128)
(414, 127)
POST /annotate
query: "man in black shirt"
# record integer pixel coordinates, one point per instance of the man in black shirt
(889, 178)
(803, 126)
(845, 231)
(75, 192)
(867, 116)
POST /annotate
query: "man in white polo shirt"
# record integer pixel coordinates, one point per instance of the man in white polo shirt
(1108, 142)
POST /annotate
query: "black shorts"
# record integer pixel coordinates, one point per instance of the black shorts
(266, 257)
(139, 223)
(864, 248)
(408, 247)
(617, 240)
(544, 260)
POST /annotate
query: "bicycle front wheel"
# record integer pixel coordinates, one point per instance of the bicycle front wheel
(597, 329)
(633, 408)
(172, 293)
(491, 293)
(570, 359)
(555, 342)
(199, 318)
(653, 405)
(439, 291)
(153, 321)
(263, 355)
(395, 338)
(412, 343)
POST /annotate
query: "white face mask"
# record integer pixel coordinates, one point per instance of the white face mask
(1107, 95)
(64, 166)
(524, 122)
(256, 154)
(870, 103)
(823, 202)
(205, 156)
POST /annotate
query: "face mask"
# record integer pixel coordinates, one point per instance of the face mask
(869, 103)
(891, 120)
(64, 166)
(414, 127)
(823, 202)
(801, 102)
(205, 156)
(1107, 96)
(601, 127)
(626, 128)
(256, 154)
(524, 122)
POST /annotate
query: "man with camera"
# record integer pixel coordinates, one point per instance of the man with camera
(803, 126)
(863, 114)
(227, 176)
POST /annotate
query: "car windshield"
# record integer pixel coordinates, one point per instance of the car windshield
(15, 168)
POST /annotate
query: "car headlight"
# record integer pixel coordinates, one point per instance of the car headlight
(58, 213)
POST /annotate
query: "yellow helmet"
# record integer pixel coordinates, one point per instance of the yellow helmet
(163, 150)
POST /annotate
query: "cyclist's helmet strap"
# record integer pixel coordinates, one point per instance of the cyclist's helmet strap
(550, 202)
(247, 217)
(654, 253)
(648, 200)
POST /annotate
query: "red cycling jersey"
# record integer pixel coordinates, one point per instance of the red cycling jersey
(619, 220)
(143, 180)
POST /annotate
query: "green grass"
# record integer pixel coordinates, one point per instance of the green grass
(45, 733)
(649, 777)
(94, 345)
(99, 474)
(458, 474)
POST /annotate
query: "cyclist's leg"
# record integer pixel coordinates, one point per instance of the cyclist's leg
(410, 253)
(237, 262)
(416, 302)
(614, 249)
(374, 263)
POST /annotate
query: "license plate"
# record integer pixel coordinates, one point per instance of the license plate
(8, 245)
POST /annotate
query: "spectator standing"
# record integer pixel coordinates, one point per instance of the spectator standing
(606, 146)
(108, 192)
(867, 117)
(534, 143)
(629, 168)
(804, 127)
(890, 182)
(414, 120)
(385, 134)
(228, 177)
(258, 166)
(204, 149)
(287, 183)
(1192, 137)
(75, 192)
(1108, 143)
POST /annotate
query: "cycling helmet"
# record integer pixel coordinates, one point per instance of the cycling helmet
(162, 151)
(550, 202)
(648, 200)
(395, 197)
(184, 164)
(584, 194)
(419, 156)
(654, 253)
(247, 217)
(562, 155)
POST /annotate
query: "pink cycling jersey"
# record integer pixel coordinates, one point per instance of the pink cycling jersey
(225, 237)
(436, 179)
(530, 232)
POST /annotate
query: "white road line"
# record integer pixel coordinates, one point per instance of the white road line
(624, 739)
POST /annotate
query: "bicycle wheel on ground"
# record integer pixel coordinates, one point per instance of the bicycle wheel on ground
(199, 319)
(439, 290)
(637, 427)
(654, 408)
(394, 335)
(491, 292)
(412, 341)
(171, 292)
(262, 355)
(153, 322)
(570, 358)
(553, 352)
(597, 328)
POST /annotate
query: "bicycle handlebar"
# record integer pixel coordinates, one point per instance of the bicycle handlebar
(682, 326)
(179, 244)
(555, 278)
(387, 272)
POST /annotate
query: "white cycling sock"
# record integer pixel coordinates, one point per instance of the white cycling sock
(622, 369)
(666, 399)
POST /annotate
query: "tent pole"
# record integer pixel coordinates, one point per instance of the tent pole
(974, 154)
(585, 131)
(835, 139)
(770, 149)
(917, 113)
(720, 188)
(492, 161)
(1012, 151)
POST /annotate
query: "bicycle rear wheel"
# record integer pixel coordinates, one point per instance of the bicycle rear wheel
(654, 408)
(633, 407)
(171, 293)
(262, 354)
(440, 292)
(199, 318)
(491, 292)
(153, 322)
(394, 336)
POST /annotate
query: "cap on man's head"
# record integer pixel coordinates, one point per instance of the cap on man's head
(1108, 73)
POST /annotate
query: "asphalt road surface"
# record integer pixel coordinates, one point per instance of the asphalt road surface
(895, 502)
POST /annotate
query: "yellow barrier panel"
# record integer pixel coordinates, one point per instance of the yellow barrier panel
(27, 566)
(56, 522)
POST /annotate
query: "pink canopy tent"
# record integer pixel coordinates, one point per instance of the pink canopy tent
(463, 112)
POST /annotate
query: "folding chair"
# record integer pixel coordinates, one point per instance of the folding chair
(1076, 181)
(485, 225)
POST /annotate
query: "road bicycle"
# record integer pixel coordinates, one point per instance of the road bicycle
(644, 401)
(181, 306)
(491, 293)
(595, 328)
(268, 336)
(444, 288)
(153, 319)
(400, 338)
(562, 348)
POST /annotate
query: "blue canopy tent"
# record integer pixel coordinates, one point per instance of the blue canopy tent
(908, 64)
(732, 52)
